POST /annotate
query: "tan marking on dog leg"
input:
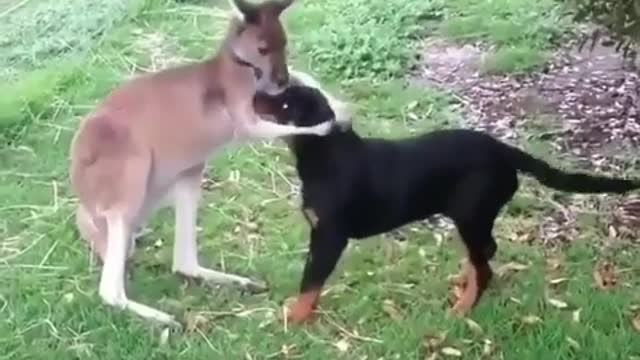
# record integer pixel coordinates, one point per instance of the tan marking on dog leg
(304, 307)
(470, 294)
(311, 216)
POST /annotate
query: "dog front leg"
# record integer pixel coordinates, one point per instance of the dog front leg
(186, 194)
(326, 247)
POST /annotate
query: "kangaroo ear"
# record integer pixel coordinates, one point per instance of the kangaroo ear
(282, 5)
(245, 10)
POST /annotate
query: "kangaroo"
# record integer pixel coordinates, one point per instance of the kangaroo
(145, 146)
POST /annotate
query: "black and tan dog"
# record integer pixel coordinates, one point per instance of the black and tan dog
(354, 187)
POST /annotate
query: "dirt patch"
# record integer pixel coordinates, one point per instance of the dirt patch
(161, 50)
(589, 101)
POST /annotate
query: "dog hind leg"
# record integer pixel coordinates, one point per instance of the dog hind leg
(474, 210)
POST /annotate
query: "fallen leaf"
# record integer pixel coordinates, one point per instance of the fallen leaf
(576, 315)
(574, 344)
(439, 238)
(449, 351)
(531, 319)
(559, 304)
(288, 351)
(557, 281)
(433, 342)
(252, 226)
(525, 237)
(474, 326)
(488, 348)
(636, 322)
(516, 300)
(164, 337)
(605, 275)
(554, 264)
(392, 310)
(68, 297)
(342, 345)
(195, 321)
(510, 267)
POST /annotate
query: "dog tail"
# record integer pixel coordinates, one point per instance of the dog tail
(566, 181)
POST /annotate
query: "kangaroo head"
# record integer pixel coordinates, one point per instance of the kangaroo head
(259, 41)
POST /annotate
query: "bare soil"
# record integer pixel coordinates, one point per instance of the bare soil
(584, 103)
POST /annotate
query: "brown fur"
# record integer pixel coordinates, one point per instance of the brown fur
(147, 144)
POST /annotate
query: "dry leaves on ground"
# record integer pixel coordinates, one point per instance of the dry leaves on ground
(556, 303)
(342, 345)
(451, 351)
(433, 342)
(636, 322)
(196, 321)
(392, 310)
(474, 326)
(576, 315)
(587, 99)
(531, 319)
(605, 275)
(510, 267)
(554, 265)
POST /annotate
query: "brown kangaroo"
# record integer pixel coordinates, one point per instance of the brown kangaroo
(145, 146)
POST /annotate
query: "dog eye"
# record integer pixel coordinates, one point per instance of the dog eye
(285, 106)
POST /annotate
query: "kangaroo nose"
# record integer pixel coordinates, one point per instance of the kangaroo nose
(282, 80)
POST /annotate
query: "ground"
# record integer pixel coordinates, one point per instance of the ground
(568, 283)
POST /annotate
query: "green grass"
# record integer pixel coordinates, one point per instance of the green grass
(520, 31)
(49, 307)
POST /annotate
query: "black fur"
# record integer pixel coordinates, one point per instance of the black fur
(361, 187)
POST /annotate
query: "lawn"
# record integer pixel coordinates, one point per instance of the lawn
(387, 300)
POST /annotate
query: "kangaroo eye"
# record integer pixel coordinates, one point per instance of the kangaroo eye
(263, 50)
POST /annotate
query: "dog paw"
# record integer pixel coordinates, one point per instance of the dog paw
(299, 313)
(303, 308)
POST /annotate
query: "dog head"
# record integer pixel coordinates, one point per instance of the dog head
(300, 106)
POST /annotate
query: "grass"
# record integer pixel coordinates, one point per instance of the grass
(387, 300)
(519, 32)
